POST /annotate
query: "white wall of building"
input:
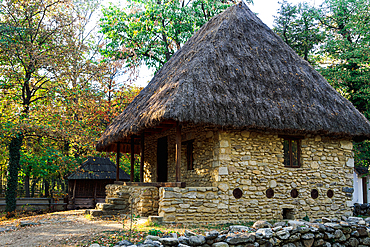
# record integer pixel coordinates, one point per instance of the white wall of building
(357, 186)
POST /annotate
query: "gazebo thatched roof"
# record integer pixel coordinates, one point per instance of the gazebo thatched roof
(236, 72)
(98, 168)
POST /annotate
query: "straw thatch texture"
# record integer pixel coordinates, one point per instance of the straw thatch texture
(98, 168)
(236, 72)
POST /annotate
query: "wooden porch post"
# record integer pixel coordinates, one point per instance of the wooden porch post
(117, 160)
(74, 195)
(364, 190)
(142, 158)
(178, 152)
(132, 159)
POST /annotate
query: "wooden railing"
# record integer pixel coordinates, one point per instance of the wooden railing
(36, 203)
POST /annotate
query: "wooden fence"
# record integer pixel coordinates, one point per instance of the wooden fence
(34, 204)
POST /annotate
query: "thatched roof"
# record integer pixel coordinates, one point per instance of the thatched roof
(236, 72)
(98, 168)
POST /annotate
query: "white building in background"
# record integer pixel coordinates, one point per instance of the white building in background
(361, 186)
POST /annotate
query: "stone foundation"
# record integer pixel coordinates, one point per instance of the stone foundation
(121, 199)
(218, 205)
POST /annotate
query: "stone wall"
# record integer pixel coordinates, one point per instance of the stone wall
(144, 199)
(251, 163)
(204, 145)
(351, 231)
(190, 204)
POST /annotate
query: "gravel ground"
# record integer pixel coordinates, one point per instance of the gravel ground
(68, 228)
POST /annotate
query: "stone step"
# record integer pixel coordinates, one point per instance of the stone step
(109, 206)
(114, 212)
(95, 212)
(112, 200)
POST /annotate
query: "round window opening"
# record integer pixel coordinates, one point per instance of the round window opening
(294, 193)
(314, 193)
(237, 193)
(270, 193)
(330, 193)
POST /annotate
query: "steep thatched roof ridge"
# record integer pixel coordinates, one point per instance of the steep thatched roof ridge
(237, 72)
(98, 168)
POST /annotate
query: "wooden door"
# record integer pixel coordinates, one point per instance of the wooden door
(162, 157)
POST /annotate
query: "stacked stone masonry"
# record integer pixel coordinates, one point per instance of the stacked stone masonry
(225, 160)
(253, 162)
(143, 200)
(351, 231)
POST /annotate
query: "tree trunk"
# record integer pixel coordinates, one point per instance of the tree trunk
(14, 157)
(52, 187)
(33, 186)
(27, 185)
(47, 187)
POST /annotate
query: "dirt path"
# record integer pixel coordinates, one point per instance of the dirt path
(56, 229)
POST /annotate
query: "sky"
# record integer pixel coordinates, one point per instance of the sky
(265, 10)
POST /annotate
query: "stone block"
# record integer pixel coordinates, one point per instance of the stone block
(350, 162)
(246, 181)
(209, 134)
(244, 158)
(169, 241)
(169, 194)
(234, 209)
(197, 240)
(245, 133)
(191, 195)
(220, 244)
(223, 171)
(224, 157)
(168, 210)
(272, 184)
(346, 145)
(210, 196)
(308, 242)
(347, 189)
(169, 218)
(222, 206)
(203, 209)
(241, 239)
(156, 220)
(184, 205)
(96, 213)
(223, 187)
(224, 143)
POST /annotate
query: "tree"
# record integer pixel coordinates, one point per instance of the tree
(150, 32)
(347, 52)
(297, 27)
(347, 43)
(52, 88)
(33, 38)
(342, 53)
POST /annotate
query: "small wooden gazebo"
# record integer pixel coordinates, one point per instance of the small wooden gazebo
(87, 184)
